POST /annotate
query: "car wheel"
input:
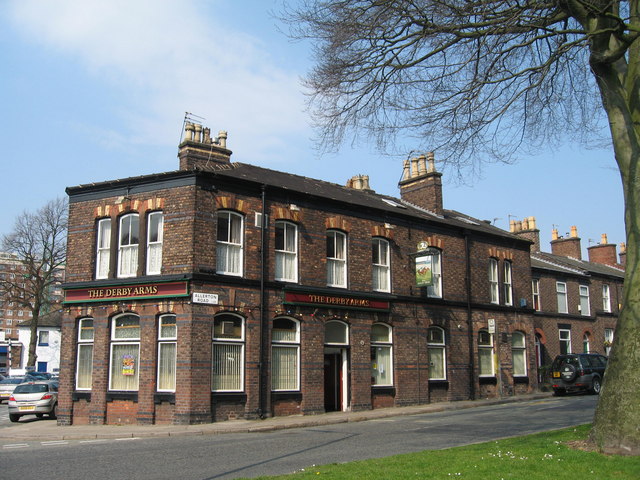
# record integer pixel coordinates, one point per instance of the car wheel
(14, 417)
(53, 413)
(568, 372)
(40, 415)
(596, 386)
(559, 392)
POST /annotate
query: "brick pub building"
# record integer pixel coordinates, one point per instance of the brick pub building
(225, 290)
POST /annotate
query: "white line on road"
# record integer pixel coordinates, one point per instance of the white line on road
(55, 442)
(16, 445)
(126, 439)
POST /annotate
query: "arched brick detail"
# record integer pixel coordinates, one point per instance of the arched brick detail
(543, 337)
(231, 203)
(282, 213)
(338, 222)
(381, 231)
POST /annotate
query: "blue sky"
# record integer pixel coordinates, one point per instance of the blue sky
(94, 90)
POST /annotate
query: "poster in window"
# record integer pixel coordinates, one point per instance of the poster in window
(424, 271)
(128, 365)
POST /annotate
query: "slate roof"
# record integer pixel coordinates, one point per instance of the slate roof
(573, 266)
(53, 319)
(366, 199)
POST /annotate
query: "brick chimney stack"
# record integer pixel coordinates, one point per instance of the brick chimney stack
(604, 252)
(566, 247)
(199, 150)
(421, 184)
(527, 229)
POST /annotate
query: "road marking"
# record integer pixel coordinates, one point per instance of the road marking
(16, 445)
(93, 441)
(55, 442)
(126, 439)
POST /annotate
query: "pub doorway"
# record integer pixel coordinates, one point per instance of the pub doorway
(335, 379)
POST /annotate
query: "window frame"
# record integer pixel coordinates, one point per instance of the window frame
(494, 288)
(586, 342)
(585, 304)
(43, 338)
(608, 340)
(286, 253)
(84, 344)
(606, 298)
(435, 345)
(435, 290)
(131, 247)
(486, 348)
(378, 346)
(284, 344)
(229, 341)
(335, 261)
(564, 341)
(562, 295)
(507, 282)
(535, 293)
(167, 342)
(103, 248)
(155, 244)
(381, 269)
(120, 342)
(521, 350)
(229, 246)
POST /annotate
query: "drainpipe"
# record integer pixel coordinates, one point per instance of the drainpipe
(472, 363)
(263, 314)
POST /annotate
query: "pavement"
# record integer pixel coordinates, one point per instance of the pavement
(30, 428)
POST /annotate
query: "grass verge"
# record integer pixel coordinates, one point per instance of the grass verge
(543, 456)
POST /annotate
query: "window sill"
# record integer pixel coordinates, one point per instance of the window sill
(520, 379)
(81, 396)
(133, 396)
(438, 381)
(164, 397)
(488, 380)
(383, 389)
(287, 395)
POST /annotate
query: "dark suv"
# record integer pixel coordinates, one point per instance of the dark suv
(578, 371)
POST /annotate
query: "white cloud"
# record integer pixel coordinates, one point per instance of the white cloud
(165, 57)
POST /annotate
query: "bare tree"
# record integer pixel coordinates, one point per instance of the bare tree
(39, 243)
(481, 79)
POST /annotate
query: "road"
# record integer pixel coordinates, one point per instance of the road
(232, 456)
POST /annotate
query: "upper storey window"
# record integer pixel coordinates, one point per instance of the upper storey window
(128, 245)
(493, 280)
(336, 259)
(507, 283)
(229, 243)
(381, 270)
(286, 251)
(103, 256)
(155, 231)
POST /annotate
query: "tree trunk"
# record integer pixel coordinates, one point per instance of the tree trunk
(33, 342)
(616, 427)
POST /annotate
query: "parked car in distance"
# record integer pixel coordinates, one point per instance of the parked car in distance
(34, 398)
(7, 385)
(578, 371)
(37, 376)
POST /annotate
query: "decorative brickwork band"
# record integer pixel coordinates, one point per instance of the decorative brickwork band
(283, 213)
(124, 204)
(231, 203)
(381, 231)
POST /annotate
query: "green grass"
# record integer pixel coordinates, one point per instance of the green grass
(544, 456)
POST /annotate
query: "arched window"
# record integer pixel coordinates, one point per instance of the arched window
(336, 333)
(519, 354)
(125, 353)
(285, 354)
(336, 259)
(381, 355)
(128, 241)
(229, 243)
(84, 364)
(485, 354)
(228, 353)
(437, 349)
(286, 238)
(586, 343)
(167, 349)
(381, 265)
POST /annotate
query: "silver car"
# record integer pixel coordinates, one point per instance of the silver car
(34, 398)
(7, 385)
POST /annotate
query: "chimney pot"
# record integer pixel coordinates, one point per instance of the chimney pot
(532, 223)
(623, 247)
(422, 165)
(603, 239)
(554, 234)
(574, 231)
(431, 158)
(512, 226)
(406, 173)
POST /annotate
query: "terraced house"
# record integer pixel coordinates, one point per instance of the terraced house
(225, 290)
